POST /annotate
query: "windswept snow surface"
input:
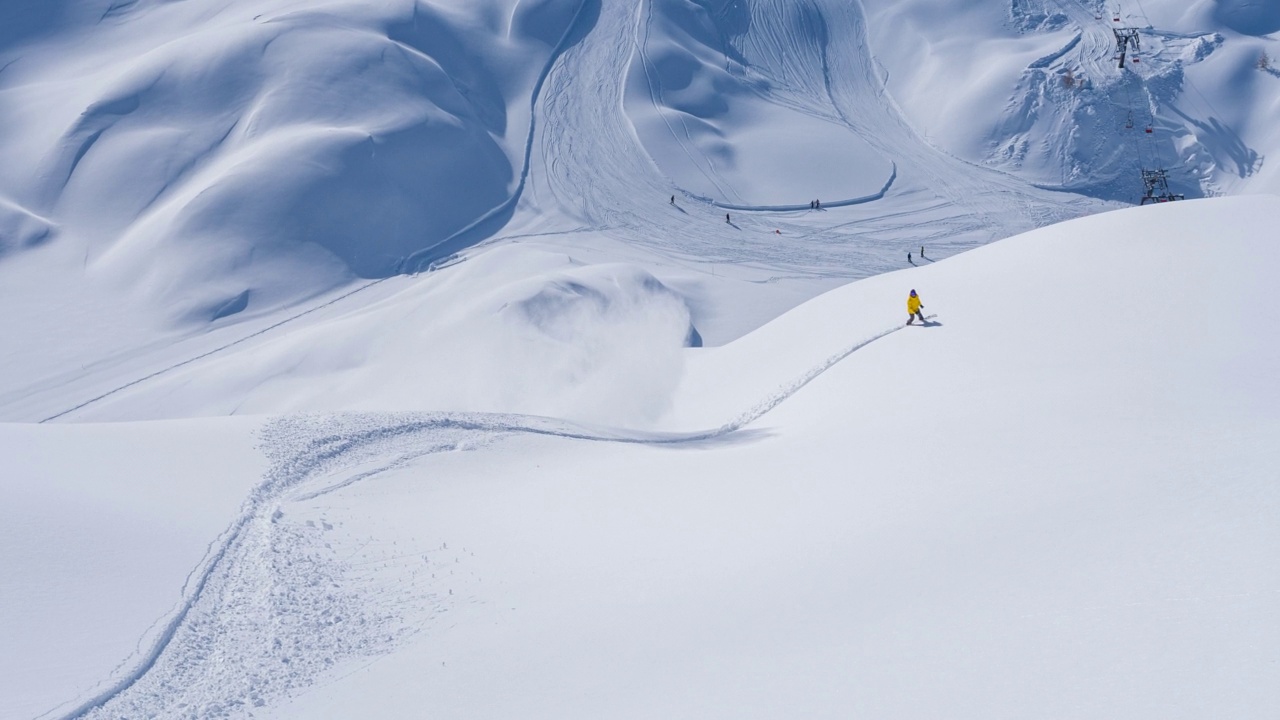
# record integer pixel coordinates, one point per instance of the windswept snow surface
(1057, 498)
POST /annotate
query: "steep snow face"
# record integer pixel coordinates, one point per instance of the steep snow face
(248, 141)
(1071, 117)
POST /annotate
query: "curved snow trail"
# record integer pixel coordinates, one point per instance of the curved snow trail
(893, 175)
(233, 643)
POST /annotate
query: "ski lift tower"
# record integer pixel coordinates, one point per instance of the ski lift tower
(1157, 184)
(1126, 39)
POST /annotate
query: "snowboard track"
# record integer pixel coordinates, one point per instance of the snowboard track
(281, 596)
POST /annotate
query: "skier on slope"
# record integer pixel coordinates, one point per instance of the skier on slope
(913, 308)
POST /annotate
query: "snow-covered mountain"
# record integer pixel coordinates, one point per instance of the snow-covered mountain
(491, 358)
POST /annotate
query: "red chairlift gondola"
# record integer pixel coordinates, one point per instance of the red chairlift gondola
(1150, 130)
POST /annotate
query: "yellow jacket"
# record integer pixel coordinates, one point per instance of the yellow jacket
(913, 304)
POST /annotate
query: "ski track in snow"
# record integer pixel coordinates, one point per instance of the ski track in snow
(273, 606)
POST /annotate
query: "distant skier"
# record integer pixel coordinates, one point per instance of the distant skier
(909, 258)
(817, 204)
(812, 204)
(673, 199)
(913, 308)
(726, 218)
(922, 251)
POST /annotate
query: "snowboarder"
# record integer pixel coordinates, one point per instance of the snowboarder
(913, 308)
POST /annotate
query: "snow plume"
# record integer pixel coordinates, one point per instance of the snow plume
(601, 344)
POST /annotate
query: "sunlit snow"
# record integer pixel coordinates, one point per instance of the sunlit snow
(547, 359)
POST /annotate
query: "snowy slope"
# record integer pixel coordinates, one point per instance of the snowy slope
(182, 168)
(105, 531)
(190, 176)
(1056, 499)
(528, 425)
